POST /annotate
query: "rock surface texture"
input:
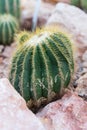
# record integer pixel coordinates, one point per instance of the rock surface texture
(6, 53)
(82, 86)
(14, 115)
(69, 113)
(74, 20)
(84, 60)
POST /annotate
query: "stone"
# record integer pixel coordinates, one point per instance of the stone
(82, 86)
(5, 59)
(14, 114)
(1, 48)
(85, 64)
(28, 9)
(68, 113)
(1, 60)
(74, 20)
(8, 51)
(56, 1)
(84, 57)
(84, 70)
(84, 61)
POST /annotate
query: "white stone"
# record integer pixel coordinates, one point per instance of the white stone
(14, 114)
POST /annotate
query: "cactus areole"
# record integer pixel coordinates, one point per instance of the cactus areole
(42, 67)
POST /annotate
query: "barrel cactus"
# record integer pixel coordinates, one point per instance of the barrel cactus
(42, 67)
(11, 7)
(8, 27)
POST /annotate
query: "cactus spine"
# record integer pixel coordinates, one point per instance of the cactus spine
(8, 27)
(11, 7)
(42, 67)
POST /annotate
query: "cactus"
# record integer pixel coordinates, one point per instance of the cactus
(84, 4)
(8, 27)
(80, 3)
(42, 67)
(75, 2)
(10, 6)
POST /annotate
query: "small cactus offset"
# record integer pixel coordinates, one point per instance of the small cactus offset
(22, 38)
(42, 67)
(11, 7)
(8, 27)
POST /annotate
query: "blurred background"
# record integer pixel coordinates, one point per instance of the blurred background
(43, 9)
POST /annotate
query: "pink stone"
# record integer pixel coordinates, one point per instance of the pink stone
(73, 20)
(69, 113)
(14, 114)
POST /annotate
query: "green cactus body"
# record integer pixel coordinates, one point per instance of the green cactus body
(75, 2)
(8, 27)
(42, 67)
(80, 3)
(10, 6)
(84, 4)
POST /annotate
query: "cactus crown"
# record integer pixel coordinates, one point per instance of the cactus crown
(8, 27)
(42, 67)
